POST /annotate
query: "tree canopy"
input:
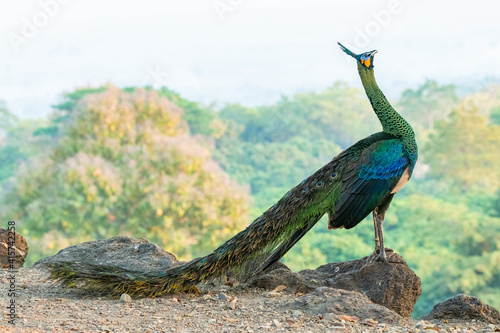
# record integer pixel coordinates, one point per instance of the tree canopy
(125, 164)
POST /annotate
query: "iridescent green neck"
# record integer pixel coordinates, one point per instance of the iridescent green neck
(392, 122)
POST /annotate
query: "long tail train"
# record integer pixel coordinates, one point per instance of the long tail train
(269, 236)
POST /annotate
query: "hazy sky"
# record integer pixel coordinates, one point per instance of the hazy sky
(247, 51)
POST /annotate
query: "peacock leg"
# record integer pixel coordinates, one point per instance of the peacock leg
(379, 220)
(375, 227)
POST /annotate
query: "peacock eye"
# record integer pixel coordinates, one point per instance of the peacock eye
(318, 184)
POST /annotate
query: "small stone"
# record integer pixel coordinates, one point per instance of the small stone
(351, 319)
(339, 327)
(330, 316)
(422, 324)
(277, 323)
(231, 320)
(279, 288)
(369, 322)
(223, 297)
(297, 313)
(232, 304)
(125, 298)
(272, 294)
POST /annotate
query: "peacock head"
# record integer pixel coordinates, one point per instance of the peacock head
(365, 60)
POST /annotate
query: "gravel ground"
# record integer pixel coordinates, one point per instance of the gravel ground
(42, 308)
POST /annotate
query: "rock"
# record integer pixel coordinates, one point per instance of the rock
(422, 324)
(125, 298)
(392, 285)
(223, 297)
(338, 327)
(232, 304)
(135, 254)
(20, 248)
(330, 316)
(279, 288)
(272, 294)
(465, 307)
(344, 302)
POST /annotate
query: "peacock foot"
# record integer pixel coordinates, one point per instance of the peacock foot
(387, 256)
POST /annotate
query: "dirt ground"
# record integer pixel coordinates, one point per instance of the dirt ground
(39, 307)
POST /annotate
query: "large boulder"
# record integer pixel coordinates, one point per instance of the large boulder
(135, 254)
(19, 247)
(465, 307)
(393, 285)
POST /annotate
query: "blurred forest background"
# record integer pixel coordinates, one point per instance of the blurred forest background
(146, 162)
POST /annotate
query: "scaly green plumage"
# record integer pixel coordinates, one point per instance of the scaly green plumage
(361, 179)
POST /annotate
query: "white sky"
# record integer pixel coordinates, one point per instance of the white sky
(259, 51)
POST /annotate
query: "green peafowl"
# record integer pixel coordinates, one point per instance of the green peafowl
(360, 180)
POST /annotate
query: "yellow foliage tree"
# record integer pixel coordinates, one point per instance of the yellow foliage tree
(126, 164)
(465, 150)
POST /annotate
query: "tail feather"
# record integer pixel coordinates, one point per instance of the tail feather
(269, 236)
(285, 247)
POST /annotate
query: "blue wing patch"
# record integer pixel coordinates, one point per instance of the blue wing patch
(386, 161)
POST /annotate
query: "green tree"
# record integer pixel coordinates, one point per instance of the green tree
(464, 151)
(16, 143)
(466, 260)
(126, 165)
(197, 116)
(428, 103)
